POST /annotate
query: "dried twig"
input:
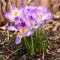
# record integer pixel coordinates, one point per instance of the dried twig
(29, 2)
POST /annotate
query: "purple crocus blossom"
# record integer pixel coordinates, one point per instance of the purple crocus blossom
(20, 26)
(42, 16)
(14, 13)
(31, 22)
(23, 29)
(25, 14)
(48, 13)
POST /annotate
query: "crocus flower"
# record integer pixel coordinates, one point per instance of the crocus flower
(22, 27)
(42, 16)
(24, 31)
(31, 22)
(14, 13)
(46, 10)
(25, 14)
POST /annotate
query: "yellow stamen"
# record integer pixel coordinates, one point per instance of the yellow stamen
(41, 16)
(30, 21)
(23, 29)
(36, 12)
(25, 16)
(39, 8)
(16, 14)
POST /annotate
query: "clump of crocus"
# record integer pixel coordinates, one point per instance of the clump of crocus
(27, 19)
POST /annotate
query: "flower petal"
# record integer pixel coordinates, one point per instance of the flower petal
(18, 40)
(12, 28)
(9, 16)
(29, 33)
(14, 9)
(40, 8)
(36, 26)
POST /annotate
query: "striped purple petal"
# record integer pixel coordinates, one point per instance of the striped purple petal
(37, 26)
(18, 40)
(14, 9)
(9, 16)
(12, 28)
(29, 33)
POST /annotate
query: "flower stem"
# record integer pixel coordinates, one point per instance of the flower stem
(32, 50)
(36, 33)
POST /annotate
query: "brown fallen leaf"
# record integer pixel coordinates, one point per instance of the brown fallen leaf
(56, 25)
(47, 26)
(57, 15)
